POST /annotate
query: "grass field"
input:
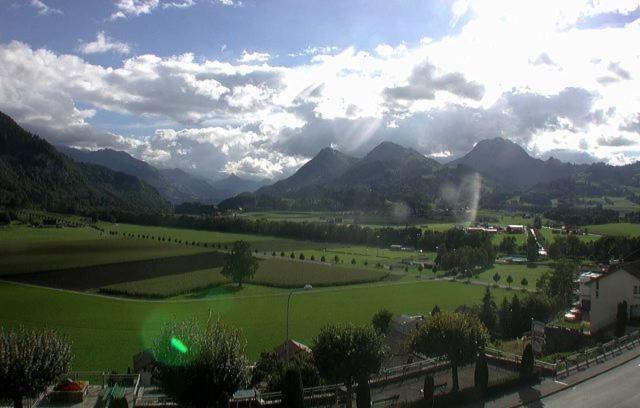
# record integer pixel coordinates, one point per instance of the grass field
(167, 286)
(276, 273)
(622, 228)
(260, 242)
(106, 332)
(25, 249)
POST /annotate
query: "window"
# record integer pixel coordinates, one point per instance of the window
(635, 289)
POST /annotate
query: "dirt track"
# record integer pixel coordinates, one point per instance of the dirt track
(93, 277)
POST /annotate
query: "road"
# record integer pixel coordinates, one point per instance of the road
(617, 388)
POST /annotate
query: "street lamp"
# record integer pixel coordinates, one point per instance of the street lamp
(286, 343)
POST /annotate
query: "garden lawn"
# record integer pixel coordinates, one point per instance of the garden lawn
(107, 332)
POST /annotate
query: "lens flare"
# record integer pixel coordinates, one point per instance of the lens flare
(179, 345)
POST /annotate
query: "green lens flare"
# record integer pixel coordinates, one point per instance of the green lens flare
(178, 345)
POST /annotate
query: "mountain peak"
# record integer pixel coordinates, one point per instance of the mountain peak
(507, 162)
(389, 151)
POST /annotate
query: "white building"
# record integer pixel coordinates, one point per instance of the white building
(601, 293)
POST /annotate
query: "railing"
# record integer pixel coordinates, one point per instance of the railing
(517, 358)
(595, 355)
(407, 369)
(397, 373)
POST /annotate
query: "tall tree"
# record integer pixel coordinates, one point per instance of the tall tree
(292, 389)
(200, 365)
(239, 264)
(348, 353)
(558, 284)
(31, 360)
(537, 222)
(527, 363)
(481, 374)
(532, 248)
(488, 311)
(457, 336)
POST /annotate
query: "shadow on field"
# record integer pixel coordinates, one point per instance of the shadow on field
(93, 277)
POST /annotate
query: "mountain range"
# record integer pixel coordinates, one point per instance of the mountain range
(34, 174)
(391, 173)
(175, 185)
(389, 178)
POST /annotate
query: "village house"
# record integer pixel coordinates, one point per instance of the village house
(600, 294)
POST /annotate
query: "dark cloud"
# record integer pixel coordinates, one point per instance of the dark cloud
(632, 124)
(543, 59)
(534, 111)
(607, 80)
(454, 128)
(616, 141)
(619, 71)
(423, 84)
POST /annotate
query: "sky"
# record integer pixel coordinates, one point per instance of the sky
(258, 87)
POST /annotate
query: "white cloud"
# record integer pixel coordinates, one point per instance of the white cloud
(179, 4)
(310, 51)
(132, 8)
(104, 44)
(251, 57)
(538, 85)
(126, 8)
(43, 9)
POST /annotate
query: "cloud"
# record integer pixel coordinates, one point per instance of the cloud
(43, 9)
(616, 141)
(311, 51)
(271, 165)
(127, 8)
(104, 44)
(619, 71)
(543, 59)
(251, 57)
(424, 83)
(179, 4)
(570, 156)
(632, 124)
(440, 95)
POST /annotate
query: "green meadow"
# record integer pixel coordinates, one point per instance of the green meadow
(106, 332)
(621, 228)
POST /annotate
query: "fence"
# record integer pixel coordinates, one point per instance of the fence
(330, 395)
(595, 355)
(580, 360)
